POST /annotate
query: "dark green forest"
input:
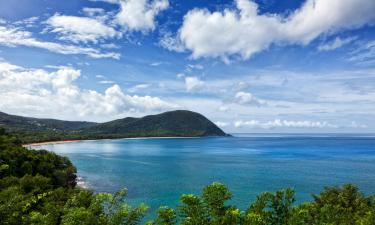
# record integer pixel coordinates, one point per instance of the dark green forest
(179, 123)
(39, 187)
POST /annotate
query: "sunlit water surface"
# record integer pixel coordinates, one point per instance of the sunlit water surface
(158, 171)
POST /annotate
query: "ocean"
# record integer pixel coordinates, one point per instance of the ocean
(157, 171)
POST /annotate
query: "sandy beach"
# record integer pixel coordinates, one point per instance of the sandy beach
(71, 141)
(49, 143)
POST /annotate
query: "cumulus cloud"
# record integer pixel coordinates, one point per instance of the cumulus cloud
(193, 84)
(336, 43)
(55, 94)
(14, 36)
(172, 43)
(277, 123)
(80, 29)
(246, 98)
(244, 31)
(139, 15)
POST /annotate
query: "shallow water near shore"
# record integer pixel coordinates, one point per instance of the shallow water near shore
(158, 171)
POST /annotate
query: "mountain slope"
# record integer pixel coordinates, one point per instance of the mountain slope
(29, 124)
(179, 123)
(175, 123)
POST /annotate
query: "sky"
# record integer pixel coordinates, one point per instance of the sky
(248, 65)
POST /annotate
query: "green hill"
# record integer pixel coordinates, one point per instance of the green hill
(28, 124)
(179, 123)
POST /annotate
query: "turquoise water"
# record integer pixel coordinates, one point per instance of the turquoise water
(158, 171)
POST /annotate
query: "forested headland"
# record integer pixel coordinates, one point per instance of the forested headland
(178, 123)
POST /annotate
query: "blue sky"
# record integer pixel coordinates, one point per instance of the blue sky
(249, 66)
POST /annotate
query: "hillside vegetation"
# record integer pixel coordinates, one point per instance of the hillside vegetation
(180, 123)
(39, 187)
(28, 124)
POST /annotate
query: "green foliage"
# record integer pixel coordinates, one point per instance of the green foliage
(18, 161)
(180, 123)
(193, 211)
(215, 196)
(334, 206)
(166, 216)
(271, 208)
(175, 123)
(344, 206)
(117, 212)
(38, 187)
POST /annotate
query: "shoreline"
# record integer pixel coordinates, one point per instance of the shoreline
(81, 183)
(72, 141)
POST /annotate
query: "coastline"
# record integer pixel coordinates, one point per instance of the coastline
(81, 183)
(50, 143)
(72, 141)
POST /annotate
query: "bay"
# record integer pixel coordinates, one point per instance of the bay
(157, 171)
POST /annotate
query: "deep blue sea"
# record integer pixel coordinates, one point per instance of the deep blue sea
(158, 171)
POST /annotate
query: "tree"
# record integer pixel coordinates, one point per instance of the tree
(344, 206)
(165, 216)
(192, 211)
(117, 212)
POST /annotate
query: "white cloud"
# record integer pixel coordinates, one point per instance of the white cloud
(110, 46)
(180, 75)
(139, 15)
(55, 94)
(108, 1)
(139, 87)
(191, 67)
(56, 66)
(222, 124)
(80, 29)
(172, 43)
(93, 11)
(28, 22)
(223, 108)
(277, 123)
(245, 31)
(193, 84)
(13, 36)
(364, 54)
(156, 63)
(354, 124)
(336, 43)
(106, 82)
(246, 98)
